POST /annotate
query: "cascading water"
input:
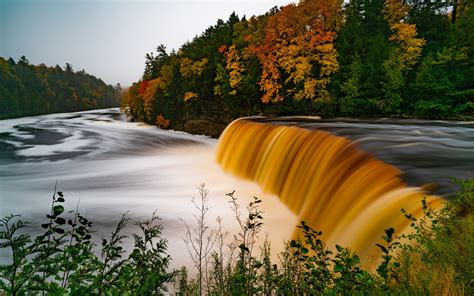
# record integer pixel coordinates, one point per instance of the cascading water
(110, 166)
(326, 180)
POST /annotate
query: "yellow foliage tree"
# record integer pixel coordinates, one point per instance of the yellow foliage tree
(395, 11)
(149, 96)
(198, 67)
(409, 46)
(190, 95)
(190, 69)
(299, 42)
(185, 68)
(234, 66)
(167, 73)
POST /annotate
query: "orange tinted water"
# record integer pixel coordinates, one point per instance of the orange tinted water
(323, 179)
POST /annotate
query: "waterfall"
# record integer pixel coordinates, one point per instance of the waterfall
(326, 180)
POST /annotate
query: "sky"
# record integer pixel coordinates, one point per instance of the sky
(109, 38)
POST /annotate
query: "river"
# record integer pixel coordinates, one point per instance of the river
(109, 166)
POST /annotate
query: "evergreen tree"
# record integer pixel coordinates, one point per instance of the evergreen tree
(32, 90)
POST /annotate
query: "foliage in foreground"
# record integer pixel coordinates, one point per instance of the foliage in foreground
(436, 258)
(64, 260)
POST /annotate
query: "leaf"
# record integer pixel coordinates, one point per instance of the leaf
(59, 230)
(46, 225)
(81, 230)
(82, 220)
(58, 210)
(244, 248)
(390, 231)
(60, 193)
(338, 268)
(355, 260)
(257, 264)
(60, 221)
(60, 199)
(384, 249)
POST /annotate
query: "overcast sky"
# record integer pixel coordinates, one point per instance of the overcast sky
(109, 38)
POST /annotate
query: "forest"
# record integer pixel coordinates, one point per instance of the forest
(27, 90)
(366, 58)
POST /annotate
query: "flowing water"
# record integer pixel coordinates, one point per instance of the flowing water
(326, 180)
(110, 166)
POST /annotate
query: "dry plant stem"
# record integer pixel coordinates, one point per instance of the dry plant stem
(200, 240)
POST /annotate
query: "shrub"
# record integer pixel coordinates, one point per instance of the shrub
(435, 258)
(63, 259)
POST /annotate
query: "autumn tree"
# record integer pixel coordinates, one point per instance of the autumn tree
(371, 58)
(149, 96)
(236, 81)
(297, 52)
(404, 35)
(234, 66)
(406, 49)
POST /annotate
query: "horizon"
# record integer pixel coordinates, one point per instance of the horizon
(109, 39)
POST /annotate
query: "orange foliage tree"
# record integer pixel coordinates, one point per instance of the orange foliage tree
(297, 52)
(149, 95)
(162, 122)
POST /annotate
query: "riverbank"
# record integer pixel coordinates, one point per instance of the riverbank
(202, 127)
(214, 129)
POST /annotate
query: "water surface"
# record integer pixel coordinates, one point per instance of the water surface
(109, 166)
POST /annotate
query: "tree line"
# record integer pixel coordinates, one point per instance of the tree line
(26, 89)
(366, 58)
